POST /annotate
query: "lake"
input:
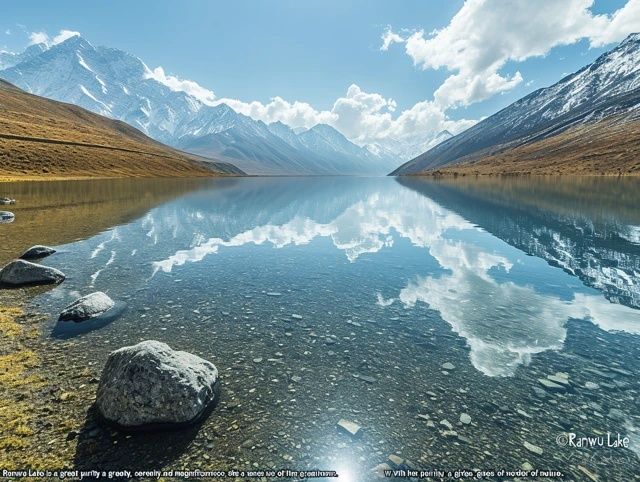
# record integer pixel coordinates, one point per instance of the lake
(471, 323)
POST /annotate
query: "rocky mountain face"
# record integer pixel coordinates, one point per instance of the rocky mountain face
(118, 85)
(608, 87)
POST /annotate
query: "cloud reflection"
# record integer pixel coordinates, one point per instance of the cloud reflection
(504, 321)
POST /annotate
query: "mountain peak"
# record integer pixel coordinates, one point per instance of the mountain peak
(632, 37)
(326, 130)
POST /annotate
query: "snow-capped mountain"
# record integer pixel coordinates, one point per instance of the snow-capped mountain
(608, 86)
(119, 85)
(9, 59)
(404, 150)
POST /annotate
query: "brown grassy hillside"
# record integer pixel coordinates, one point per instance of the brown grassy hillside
(609, 147)
(43, 138)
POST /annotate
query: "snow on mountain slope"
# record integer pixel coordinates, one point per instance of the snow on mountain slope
(608, 86)
(404, 150)
(119, 85)
(9, 59)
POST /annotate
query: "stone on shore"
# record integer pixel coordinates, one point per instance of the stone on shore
(149, 385)
(90, 306)
(6, 217)
(37, 251)
(20, 272)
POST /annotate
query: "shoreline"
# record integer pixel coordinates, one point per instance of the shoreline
(453, 174)
(43, 178)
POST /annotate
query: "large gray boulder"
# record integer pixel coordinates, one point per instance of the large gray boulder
(20, 272)
(90, 306)
(37, 251)
(149, 384)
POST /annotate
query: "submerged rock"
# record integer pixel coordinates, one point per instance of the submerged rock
(37, 251)
(533, 448)
(90, 306)
(348, 427)
(149, 385)
(552, 386)
(465, 418)
(20, 272)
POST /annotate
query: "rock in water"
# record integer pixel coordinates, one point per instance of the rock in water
(149, 384)
(349, 427)
(20, 272)
(465, 418)
(37, 251)
(90, 306)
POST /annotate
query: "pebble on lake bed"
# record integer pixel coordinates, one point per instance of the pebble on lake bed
(533, 448)
(465, 418)
(350, 428)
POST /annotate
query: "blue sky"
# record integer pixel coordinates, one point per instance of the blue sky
(311, 51)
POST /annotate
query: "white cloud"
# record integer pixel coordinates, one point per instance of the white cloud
(618, 26)
(64, 35)
(389, 37)
(7, 32)
(43, 37)
(486, 34)
(192, 88)
(38, 38)
(294, 114)
(361, 116)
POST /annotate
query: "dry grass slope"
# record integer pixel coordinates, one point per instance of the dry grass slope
(610, 147)
(42, 138)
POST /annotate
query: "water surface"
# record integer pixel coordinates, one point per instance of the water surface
(397, 304)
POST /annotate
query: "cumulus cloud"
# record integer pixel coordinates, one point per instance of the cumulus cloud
(64, 35)
(485, 35)
(192, 88)
(294, 114)
(38, 38)
(363, 117)
(389, 37)
(43, 37)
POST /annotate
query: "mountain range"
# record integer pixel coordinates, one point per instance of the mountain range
(588, 122)
(119, 85)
